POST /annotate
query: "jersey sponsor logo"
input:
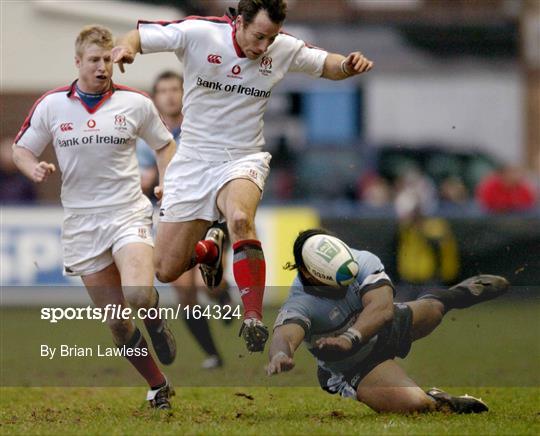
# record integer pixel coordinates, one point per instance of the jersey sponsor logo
(216, 86)
(239, 89)
(91, 139)
(265, 67)
(236, 70)
(91, 123)
(65, 127)
(214, 59)
(68, 142)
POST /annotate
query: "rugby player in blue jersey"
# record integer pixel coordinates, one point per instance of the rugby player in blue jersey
(355, 332)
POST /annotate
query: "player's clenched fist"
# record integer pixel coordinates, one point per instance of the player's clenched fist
(158, 192)
(42, 170)
(122, 55)
(280, 363)
(356, 63)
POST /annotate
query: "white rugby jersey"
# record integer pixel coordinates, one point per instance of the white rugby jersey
(225, 93)
(95, 147)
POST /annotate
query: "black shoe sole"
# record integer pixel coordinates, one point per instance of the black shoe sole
(255, 337)
(480, 288)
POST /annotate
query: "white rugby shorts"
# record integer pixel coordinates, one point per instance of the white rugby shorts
(191, 186)
(89, 240)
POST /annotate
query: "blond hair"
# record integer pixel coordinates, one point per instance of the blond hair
(93, 34)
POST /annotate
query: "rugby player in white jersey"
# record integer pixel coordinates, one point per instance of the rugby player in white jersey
(106, 234)
(167, 92)
(231, 64)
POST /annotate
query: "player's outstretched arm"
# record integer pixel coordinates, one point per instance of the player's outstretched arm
(378, 310)
(339, 67)
(286, 339)
(127, 47)
(163, 157)
(30, 166)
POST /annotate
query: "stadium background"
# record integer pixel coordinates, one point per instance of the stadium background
(455, 95)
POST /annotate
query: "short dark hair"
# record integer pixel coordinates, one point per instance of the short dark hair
(166, 75)
(276, 10)
(299, 244)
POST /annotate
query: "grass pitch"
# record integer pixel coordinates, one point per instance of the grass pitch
(491, 351)
(251, 410)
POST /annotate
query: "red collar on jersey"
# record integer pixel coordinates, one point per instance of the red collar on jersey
(231, 16)
(237, 48)
(73, 94)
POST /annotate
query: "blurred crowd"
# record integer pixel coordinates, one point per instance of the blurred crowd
(407, 189)
(406, 181)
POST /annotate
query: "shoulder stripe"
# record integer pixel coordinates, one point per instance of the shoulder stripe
(27, 121)
(220, 20)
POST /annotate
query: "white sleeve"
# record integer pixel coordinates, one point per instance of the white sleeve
(152, 129)
(161, 36)
(35, 133)
(309, 60)
(373, 274)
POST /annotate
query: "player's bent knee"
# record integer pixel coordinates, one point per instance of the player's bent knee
(436, 310)
(241, 225)
(164, 272)
(165, 276)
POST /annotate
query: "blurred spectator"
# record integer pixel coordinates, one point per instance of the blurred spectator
(427, 250)
(416, 195)
(14, 187)
(506, 190)
(453, 190)
(374, 190)
(167, 93)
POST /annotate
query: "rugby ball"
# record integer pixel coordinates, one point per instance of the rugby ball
(329, 260)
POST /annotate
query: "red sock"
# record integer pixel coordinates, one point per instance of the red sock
(145, 364)
(205, 252)
(249, 270)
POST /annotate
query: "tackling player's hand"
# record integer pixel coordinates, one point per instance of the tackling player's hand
(338, 343)
(122, 55)
(42, 171)
(279, 363)
(158, 192)
(357, 63)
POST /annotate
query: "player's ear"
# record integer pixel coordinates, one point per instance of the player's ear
(240, 21)
(77, 61)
